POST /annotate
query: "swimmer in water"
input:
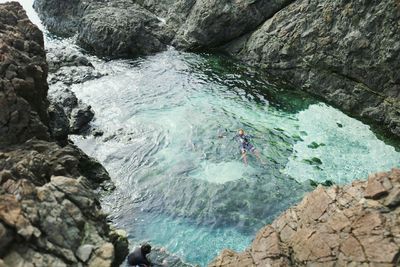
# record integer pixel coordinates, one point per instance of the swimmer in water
(246, 146)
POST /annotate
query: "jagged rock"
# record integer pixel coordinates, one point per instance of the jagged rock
(23, 73)
(59, 122)
(346, 52)
(211, 23)
(80, 117)
(117, 31)
(336, 226)
(69, 65)
(48, 206)
(45, 206)
(75, 115)
(60, 17)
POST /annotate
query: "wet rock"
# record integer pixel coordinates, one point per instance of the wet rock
(331, 226)
(75, 115)
(162, 257)
(119, 239)
(80, 117)
(58, 122)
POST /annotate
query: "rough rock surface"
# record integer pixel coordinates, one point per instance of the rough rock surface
(23, 73)
(68, 66)
(353, 225)
(210, 23)
(120, 30)
(347, 52)
(49, 213)
(108, 28)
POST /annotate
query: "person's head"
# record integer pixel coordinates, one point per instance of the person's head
(241, 132)
(146, 248)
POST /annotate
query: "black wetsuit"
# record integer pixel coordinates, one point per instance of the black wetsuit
(137, 258)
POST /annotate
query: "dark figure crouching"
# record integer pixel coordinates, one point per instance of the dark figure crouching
(138, 256)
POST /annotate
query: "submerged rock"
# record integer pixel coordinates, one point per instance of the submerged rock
(337, 226)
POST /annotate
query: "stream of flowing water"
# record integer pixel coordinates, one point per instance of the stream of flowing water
(169, 122)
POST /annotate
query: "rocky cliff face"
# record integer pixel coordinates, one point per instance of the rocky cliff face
(346, 52)
(49, 213)
(23, 74)
(353, 225)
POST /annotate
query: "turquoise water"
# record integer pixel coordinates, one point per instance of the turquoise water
(181, 186)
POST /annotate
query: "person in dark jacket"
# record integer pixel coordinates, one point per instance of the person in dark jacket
(138, 256)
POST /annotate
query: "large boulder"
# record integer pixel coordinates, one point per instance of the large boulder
(347, 52)
(107, 28)
(23, 73)
(120, 30)
(353, 225)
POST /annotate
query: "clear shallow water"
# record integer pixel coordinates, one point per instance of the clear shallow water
(181, 186)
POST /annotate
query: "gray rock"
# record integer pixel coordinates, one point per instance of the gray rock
(60, 17)
(84, 252)
(211, 23)
(59, 122)
(80, 117)
(116, 31)
(345, 52)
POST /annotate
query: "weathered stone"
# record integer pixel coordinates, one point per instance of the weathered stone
(352, 235)
(393, 199)
(23, 73)
(316, 204)
(352, 249)
(43, 221)
(103, 256)
(374, 189)
(80, 117)
(84, 252)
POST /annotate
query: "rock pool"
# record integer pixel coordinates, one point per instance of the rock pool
(179, 184)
